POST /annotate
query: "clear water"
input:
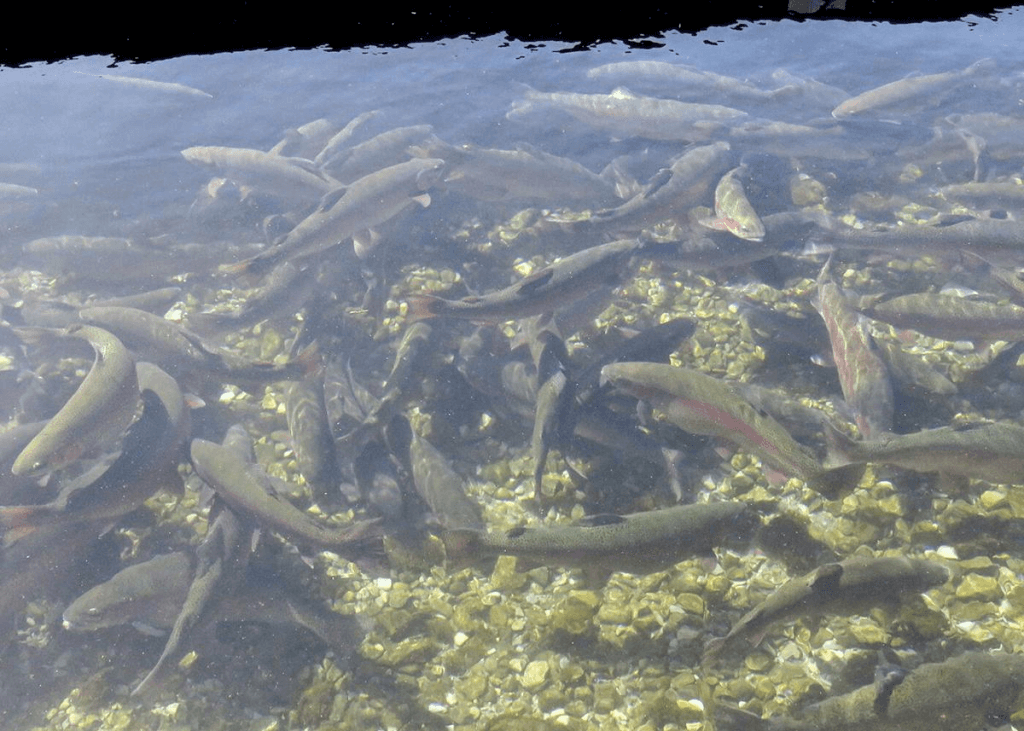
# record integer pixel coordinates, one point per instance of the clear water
(105, 159)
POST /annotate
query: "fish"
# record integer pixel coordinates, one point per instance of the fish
(682, 75)
(654, 344)
(13, 191)
(114, 260)
(554, 414)
(974, 690)
(639, 543)
(983, 451)
(168, 87)
(148, 594)
(285, 289)
(802, 421)
(388, 148)
(667, 194)
(845, 587)
(733, 211)
(911, 90)
(350, 210)
(546, 289)
(1008, 194)
(312, 439)
(998, 240)
(913, 371)
(949, 316)
(441, 487)
(47, 564)
(525, 174)
(624, 114)
(249, 490)
(100, 409)
(701, 404)
(147, 463)
(183, 354)
(221, 561)
(289, 178)
(863, 376)
(14, 439)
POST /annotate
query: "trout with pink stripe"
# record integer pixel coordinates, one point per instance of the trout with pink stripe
(863, 376)
(702, 404)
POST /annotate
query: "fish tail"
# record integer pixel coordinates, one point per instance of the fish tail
(309, 359)
(839, 447)
(17, 522)
(422, 307)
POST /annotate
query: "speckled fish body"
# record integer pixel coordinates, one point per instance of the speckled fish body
(567, 280)
(913, 371)
(183, 353)
(381, 151)
(950, 316)
(221, 561)
(522, 174)
(964, 692)
(625, 114)
(672, 189)
(148, 462)
(311, 437)
(1000, 240)
(150, 592)
(847, 587)
(285, 177)
(638, 543)
(733, 211)
(441, 487)
(909, 90)
(863, 376)
(249, 490)
(681, 75)
(702, 404)
(286, 288)
(368, 202)
(993, 452)
(102, 407)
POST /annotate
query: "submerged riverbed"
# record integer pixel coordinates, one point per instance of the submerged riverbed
(779, 196)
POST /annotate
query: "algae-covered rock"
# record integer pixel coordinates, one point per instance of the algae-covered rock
(574, 613)
(979, 588)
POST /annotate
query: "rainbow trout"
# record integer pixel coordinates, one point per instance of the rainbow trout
(102, 407)
(557, 284)
(600, 544)
(701, 404)
(863, 376)
(993, 452)
(846, 587)
(975, 690)
(949, 316)
(250, 491)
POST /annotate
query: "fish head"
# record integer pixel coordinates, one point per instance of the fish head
(430, 173)
(933, 574)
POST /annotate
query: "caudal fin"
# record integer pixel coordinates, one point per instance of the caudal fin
(422, 307)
